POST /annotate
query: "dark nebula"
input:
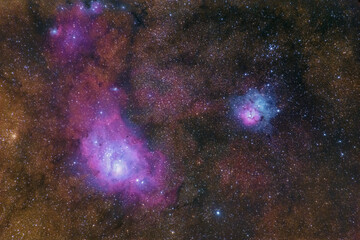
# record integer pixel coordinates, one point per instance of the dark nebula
(180, 120)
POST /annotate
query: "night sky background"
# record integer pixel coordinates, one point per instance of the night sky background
(180, 119)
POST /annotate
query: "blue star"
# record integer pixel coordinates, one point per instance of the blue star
(53, 31)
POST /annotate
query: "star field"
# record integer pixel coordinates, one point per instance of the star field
(179, 120)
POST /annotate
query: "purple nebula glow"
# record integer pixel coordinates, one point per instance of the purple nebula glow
(250, 115)
(71, 37)
(254, 110)
(96, 7)
(121, 162)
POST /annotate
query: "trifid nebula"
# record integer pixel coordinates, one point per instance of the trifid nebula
(190, 120)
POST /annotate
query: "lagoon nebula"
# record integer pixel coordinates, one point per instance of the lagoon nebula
(147, 120)
(120, 162)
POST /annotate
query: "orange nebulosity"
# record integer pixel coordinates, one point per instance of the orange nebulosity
(113, 45)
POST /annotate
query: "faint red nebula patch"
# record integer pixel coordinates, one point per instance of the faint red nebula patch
(239, 171)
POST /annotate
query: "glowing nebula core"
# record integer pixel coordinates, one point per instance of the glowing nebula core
(121, 162)
(254, 110)
(250, 115)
